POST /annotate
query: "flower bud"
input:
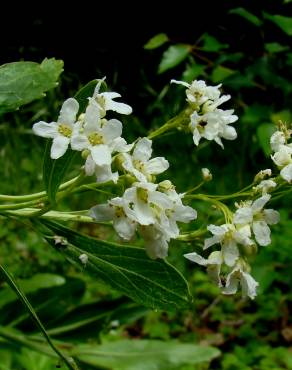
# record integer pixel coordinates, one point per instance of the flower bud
(206, 174)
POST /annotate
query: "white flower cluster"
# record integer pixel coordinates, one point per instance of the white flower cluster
(282, 150)
(91, 133)
(152, 209)
(236, 240)
(207, 120)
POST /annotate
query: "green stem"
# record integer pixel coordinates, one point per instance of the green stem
(174, 122)
(42, 194)
(8, 207)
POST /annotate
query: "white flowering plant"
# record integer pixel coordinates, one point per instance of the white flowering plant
(139, 204)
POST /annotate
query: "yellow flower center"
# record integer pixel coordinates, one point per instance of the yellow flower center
(65, 130)
(119, 211)
(95, 139)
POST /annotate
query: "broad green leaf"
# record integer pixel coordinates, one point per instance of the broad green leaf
(38, 281)
(247, 15)
(220, 73)
(274, 47)
(152, 283)
(144, 355)
(193, 71)
(156, 41)
(211, 44)
(23, 82)
(264, 133)
(285, 23)
(173, 56)
(32, 360)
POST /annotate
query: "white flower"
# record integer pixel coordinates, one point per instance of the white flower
(213, 126)
(155, 242)
(60, 131)
(103, 173)
(206, 174)
(139, 163)
(228, 236)
(283, 159)
(253, 213)
(117, 210)
(247, 282)
(262, 174)
(277, 140)
(265, 186)
(106, 101)
(98, 136)
(198, 92)
(213, 264)
(83, 258)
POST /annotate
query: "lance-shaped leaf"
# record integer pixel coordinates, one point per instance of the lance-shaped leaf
(23, 82)
(153, 283)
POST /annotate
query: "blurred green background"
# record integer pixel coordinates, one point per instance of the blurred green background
(244, 45)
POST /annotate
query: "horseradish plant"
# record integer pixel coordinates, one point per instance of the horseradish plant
(143, 206)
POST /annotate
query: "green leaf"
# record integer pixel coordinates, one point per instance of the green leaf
(285, 23)
(247, 15)
(173, 56)
(193, 71)
(220, 73)
(274, 47)
(38, 281)
(23, 82)
(152, 283)
(156, 41)
(264, 133)
(54, 170)
(10, 281)
(211, 44)
(144, 355)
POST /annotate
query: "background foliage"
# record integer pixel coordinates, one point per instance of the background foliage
(248, 49)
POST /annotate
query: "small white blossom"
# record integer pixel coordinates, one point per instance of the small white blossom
(60, 240)
(106, 101)
(206, 174)
(118, 211)
(277, 140)
(247, 282)
(265, 186)
(83, 258)
(283, 159)
(252, 213)
(262, 174)
(139, 163)
(60, 131)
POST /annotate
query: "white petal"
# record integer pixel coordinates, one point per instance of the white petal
(217, 230)
(160, 199)
(243, 215)
(262, 232)
(112, 130)
(156, 248)
(230, 252)
(211, 241)
(196, 136)
(79, 142)
(143, 213)
(101, 155)
(180, 83)
(89, 166)
(286, 173)
(115, 106)
(69, 111)
(248, 285)
(102, 212)
(271, 216)
(195, 257)
(232, 281)
(184, 213)
(92, 117)
(157, 165)
(44, 129)
(229, 133)
(59, 146)
(120, 145)
(259, 203)
(104, 173)
(125, 227)
(143, 149)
